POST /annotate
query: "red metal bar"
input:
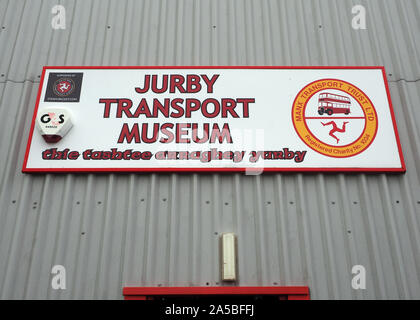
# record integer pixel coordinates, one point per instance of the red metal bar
(135, 298)
(295, 292)
(298, 297)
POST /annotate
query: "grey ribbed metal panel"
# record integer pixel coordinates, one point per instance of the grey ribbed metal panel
(117, 230)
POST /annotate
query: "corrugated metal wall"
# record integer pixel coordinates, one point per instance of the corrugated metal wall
(115, 230)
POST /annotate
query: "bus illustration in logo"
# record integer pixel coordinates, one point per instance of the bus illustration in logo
(330, 104)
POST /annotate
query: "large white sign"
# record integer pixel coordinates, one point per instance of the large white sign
(213, 119)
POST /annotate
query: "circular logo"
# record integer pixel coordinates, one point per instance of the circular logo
(334, 118)
(63, 87)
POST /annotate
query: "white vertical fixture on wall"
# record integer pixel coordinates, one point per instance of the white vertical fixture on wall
(228, 256)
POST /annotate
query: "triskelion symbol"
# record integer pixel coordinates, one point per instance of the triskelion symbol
(335, 128)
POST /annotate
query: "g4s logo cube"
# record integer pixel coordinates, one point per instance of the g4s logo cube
(54, 123)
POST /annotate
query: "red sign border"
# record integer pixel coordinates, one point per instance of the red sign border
(25, 169)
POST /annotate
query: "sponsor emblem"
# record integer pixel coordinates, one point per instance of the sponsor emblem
(64, 87)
